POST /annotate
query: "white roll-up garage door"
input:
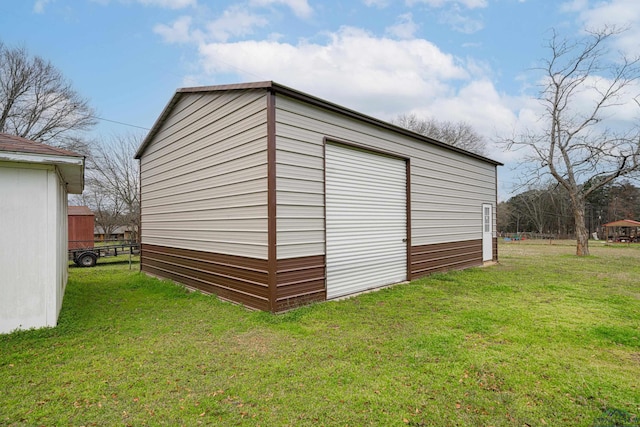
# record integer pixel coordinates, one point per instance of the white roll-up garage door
(366, 220)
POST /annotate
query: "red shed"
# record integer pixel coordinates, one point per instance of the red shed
(81, 223)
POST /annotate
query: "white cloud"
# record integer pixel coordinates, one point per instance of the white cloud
(300, 8)
(377, 3)
(479, 104)
(494, 116)
(169, 4)
(381, 77)
(574, 5)
(455, 13)
(404, 28)
(610, 13)
(459, 22)
(469, 4)
(616, 114)
(39, 5)
(621, 13)
(378, 76)
(178, 32)
(234, 22)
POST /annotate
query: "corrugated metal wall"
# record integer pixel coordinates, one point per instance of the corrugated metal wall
(204, 176)
(205, 198)
(366, 209)
(299, 187)
(447, 188)
(80, 231)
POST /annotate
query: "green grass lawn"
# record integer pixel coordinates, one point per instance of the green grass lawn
(543, 338)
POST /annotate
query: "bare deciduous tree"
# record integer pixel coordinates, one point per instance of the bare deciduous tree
(38, 103)
(112, 188)
(116, 175)
(108, 212)
(458, 134)
(581, 85)
(536, 207)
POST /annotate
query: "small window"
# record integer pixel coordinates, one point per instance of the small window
(487, 219)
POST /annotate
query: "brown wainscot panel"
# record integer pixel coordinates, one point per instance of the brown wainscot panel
(495, 249)
(300, 281)
(427, 259)
(238, 279)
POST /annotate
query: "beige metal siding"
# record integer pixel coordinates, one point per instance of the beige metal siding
(447, 188)
(299, 191)
(204, 176)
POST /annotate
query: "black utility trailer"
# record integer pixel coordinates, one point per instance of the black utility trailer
(87, 257)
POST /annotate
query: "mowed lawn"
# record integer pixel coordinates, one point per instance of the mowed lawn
(543, 338)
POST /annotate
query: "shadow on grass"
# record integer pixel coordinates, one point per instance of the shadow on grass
(612, 417)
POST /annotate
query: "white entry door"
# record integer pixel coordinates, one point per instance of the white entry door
(487, 232)
(366, 220)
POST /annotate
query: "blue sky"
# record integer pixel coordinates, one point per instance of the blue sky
(470, 60)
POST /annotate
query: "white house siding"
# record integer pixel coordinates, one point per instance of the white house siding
(33, 276)
(204, 176)
(447, 188)
(61, 225)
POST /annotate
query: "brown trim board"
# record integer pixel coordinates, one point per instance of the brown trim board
(239, 279)
(271, 199)
(495, 213)
(243, 280)
(140, 212)
(439, 257)
(408, 209)
(300, 281)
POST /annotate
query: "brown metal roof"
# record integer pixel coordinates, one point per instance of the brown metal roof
(22, 145)
(623, 223)
(79, 210)
(278, 88)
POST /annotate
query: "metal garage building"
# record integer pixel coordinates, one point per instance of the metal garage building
(273, 198)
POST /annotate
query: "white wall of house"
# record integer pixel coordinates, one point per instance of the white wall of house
(33, 262)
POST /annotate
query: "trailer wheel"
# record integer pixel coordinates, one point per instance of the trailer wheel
(87, 259)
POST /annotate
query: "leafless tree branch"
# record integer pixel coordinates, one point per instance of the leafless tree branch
(458, 134)
(38, 103)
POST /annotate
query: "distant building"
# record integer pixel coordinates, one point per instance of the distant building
(81, 224)
(119, 233)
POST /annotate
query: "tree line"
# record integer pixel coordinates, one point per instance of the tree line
(546, 210)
